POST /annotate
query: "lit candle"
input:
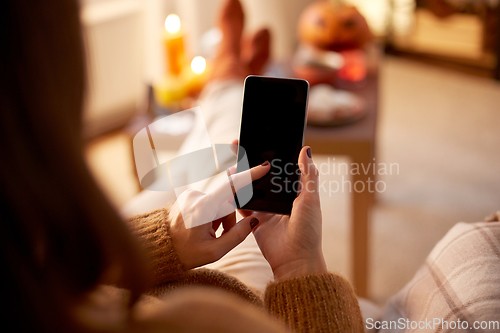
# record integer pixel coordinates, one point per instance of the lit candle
(172, 90)
(174, 45)
(198, 65)
(169, 91)
(196, 76)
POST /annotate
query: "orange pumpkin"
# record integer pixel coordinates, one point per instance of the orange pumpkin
(333, 27)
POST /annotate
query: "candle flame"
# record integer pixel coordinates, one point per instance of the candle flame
(198, 65)
(173, 23)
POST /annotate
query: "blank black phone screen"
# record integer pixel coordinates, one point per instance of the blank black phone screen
(272, 129)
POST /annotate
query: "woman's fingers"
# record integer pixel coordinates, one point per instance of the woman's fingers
(245, 213)
(244, 178)
(236, 181)
(231, 171)
(310, 174)
(228, 222)
(216, 224)
(235, 235)
(234, 146)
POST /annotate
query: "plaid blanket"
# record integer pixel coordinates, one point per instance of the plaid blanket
(460, 280)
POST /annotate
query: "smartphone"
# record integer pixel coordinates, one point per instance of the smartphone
(272, 129)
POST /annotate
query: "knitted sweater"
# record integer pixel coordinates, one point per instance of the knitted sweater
(204, 300)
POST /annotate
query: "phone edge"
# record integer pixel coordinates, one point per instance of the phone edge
(241, 118)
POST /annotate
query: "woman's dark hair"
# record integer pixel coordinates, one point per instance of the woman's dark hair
(59, 236)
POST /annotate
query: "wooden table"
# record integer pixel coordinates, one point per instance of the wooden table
(357, 141)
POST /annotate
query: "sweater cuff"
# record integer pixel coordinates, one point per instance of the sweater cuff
(153, 232)
(315, 303)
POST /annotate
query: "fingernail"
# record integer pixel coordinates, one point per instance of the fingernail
(253, 223)
(265, 163)
(309, 152)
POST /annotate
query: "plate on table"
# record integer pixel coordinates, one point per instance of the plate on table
(332, 107)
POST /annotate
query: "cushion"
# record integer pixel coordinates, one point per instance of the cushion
(460, 280)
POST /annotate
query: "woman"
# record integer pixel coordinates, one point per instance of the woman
(62, 242)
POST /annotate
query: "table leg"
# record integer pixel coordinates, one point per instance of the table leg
(362, 200)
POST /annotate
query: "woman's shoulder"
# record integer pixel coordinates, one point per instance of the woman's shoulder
(201, 297)
(104, 309)
(213, 279)
(200, 309)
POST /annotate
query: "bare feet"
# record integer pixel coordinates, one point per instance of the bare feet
(227, 64)
(231, 21)
(255, 51)
(237, 57)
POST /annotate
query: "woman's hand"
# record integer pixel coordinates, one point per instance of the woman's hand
(292, 244)
(198, 245)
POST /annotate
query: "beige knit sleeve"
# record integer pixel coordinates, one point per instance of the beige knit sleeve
(315, 303)
(152, 230)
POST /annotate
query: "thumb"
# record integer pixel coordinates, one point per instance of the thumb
(235, 235)
(310, 175)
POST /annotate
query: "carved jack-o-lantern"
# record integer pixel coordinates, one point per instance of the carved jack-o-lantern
(333, 27)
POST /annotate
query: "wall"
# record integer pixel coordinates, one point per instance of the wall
(113, 34)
